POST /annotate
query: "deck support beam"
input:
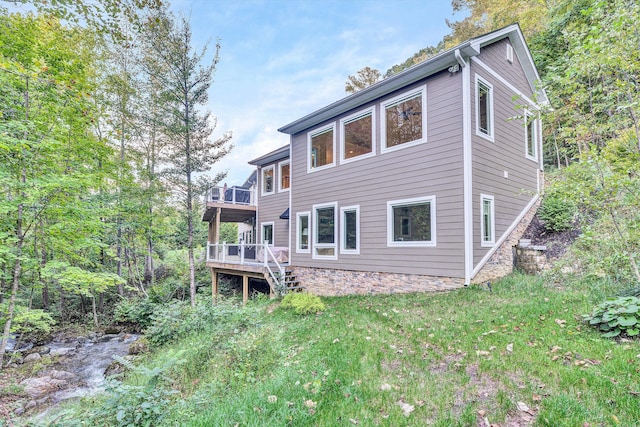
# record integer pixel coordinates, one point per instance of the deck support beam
(245, 289)
(214, 285)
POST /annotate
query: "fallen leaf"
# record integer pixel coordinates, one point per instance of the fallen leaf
(406, 408)
(385, 387)
(272, 399)
(522, 407)
(561, 322)
(310, 403)
(555, 348)
(482, 353)
(536, 398)
(354, 421)
(336, 340)
(510, 348)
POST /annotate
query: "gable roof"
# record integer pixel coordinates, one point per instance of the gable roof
(275, 155)
(433, 65)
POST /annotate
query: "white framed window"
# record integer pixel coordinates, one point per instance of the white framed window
(266, 233)
(325, 231)
(321, 146)
(303, 231)
(531, 135)
(350, 230)
(268, 180)
(284, 174)
(403, 121)
(412, 222)
(358, 136)
(484, 108)
(487, 221)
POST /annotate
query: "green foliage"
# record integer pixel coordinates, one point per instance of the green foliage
(619, 316)
(33, 325)
(138, 311)
(303, 303)
(557, 213)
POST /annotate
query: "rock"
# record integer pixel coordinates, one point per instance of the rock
(33, 357)
(62, 375)
(63, 351)
(82, 340)
(138, 347)
(38, 387)
(42, 349)
(107, 337)
(19, 411)
(111, 330)
(30, 404)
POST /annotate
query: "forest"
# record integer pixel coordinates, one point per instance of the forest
(104, 138)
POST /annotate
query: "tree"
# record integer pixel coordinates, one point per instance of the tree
(185, 83)
(363, 78)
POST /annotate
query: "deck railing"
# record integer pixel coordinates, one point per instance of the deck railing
(232, 195)
(254, 254)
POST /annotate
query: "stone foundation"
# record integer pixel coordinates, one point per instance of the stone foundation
(501, 262)
(531, 259)
(331, 282)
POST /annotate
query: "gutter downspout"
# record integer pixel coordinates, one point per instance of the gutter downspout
(467, 167)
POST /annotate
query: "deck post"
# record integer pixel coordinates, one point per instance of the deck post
(245, 289)
(214, 285)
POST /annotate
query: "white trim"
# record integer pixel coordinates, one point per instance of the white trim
(280, 165)
(504, 236)
(298, 234)
(317, 245)
(422, 91)
(491, 131)
(352, 118)
(534, 141)
(505, 82)
(328, 128)
(343, 223)
(409, 202)
(290, 210)
(467, 159)
(492, 241)
(273, 231)
(273, 180)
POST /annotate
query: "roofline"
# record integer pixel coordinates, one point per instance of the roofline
(418, 72)
(278, 154)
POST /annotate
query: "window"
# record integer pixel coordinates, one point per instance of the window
(267, 233)
(484, 109)
(404, 120)
(357, 135)
(531, 135)
(285, 177)
(325, 224)
(322, 145)
(302, 221)
(267, 180)
(350, 230)
(411, 222)
(487, 221)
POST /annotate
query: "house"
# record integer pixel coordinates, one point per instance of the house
(423, 181)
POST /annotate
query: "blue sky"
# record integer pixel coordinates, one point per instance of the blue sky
(283, 59)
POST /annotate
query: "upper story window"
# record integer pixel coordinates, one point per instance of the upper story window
(268, 180)
(404, 120)
(487, 221)
(357, 136)
(285, 175)
(531, 135)
(411, 222)
(484, 109)
(322, 145)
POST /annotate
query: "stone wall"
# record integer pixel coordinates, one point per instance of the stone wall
(531, 259)
(501, 262)
(331, 282)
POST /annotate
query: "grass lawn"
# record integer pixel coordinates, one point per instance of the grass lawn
(517, 356)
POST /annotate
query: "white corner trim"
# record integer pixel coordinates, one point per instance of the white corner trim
(467, 162)
(505, 82)
(504, 236)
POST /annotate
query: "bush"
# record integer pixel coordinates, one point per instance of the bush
(135, 310)
(33, 325)
(303, 303)
(556, 213)
(619, 316)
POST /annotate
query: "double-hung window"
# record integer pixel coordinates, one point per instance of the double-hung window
(358, 140)
(350, 230)
(487, 221)
(325, 234)
(484, 109)
(268, 180)
(303, 230)
(411, 222)
(321, 147)
(531, 135)
(404, 120)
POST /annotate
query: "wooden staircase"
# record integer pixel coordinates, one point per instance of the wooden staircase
(289, 282)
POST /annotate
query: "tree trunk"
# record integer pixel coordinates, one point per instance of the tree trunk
(17, 268)
(93, 309)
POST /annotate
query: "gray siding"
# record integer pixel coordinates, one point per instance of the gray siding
(506, 154)
(270, 207)
(433, 168)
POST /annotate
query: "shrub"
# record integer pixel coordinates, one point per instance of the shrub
(135, 310)
(556, 213)
(303, 302)
(33, 325)
(619, 316)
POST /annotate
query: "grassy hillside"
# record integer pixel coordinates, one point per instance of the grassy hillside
(519, 355)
